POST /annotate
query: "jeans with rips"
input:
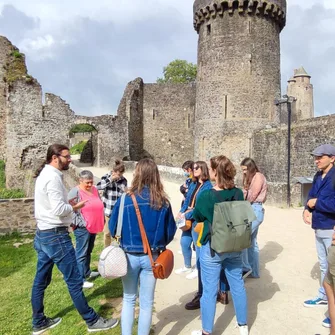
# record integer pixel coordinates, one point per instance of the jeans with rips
(56, 248)
(210, 273)
(250, 256)
(84, 247)
(139, 277)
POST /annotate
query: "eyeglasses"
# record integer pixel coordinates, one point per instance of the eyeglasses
(67, 156)
(196, 168)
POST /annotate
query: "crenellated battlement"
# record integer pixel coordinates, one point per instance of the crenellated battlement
(204, 10)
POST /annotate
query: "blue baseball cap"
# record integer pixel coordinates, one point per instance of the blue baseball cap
(324, 150)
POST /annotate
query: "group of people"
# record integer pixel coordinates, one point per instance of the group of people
(206, 185)
(219, 273)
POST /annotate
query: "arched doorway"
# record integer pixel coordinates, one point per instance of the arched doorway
(83, 143)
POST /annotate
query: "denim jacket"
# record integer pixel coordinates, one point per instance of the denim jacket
(159, 224)
(324, 190)
(206, 186)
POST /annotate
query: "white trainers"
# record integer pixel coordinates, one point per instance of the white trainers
(87, 284)
(193, 274)
(197, 332)
(180, 252)
(94, 274)
(183, 270)
(244, 330)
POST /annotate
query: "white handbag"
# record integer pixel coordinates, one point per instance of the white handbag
(113, 261)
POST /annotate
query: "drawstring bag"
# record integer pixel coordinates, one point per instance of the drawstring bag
(113, 260)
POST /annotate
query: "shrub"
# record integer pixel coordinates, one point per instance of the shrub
(7, 193)
(82, 128)
(78, 148)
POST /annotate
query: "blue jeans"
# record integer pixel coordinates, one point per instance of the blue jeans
(84, 247)
(56, 248)
(210, 273)
(185, 243)
(250, 256)
(323, 240)
(140, 276)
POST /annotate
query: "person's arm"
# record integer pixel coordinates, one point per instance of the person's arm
(121, 187)
(188, 198)
(255, 187)
(198, 213)
(170, 225)
(311, 194)
(104, 182)
(59, 204)
(326, 205)
(112, 224)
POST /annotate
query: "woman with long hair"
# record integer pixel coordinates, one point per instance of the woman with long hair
(200, 183)
(222, 171)
(160, 227)
(86, 223)
(254, 189)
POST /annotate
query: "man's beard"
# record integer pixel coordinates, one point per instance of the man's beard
(63, 166)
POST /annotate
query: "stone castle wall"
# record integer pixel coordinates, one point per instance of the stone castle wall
(168, 122)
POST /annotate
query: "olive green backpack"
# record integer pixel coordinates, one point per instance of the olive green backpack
(231, 227)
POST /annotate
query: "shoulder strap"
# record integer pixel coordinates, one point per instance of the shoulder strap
(235, 197)
(146, 245)
(120, 218)
(195, 195)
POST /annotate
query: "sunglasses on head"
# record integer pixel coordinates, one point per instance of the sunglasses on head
(196, 168)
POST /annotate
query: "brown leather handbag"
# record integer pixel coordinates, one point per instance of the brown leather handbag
(163, 265)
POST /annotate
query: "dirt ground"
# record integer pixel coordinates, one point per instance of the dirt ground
(289, 275)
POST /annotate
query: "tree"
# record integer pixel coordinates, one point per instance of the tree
(179, 71)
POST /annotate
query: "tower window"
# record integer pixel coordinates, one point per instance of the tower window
(249, 27)
(226, 106)
(154, 114)
(209, 29)
(188, 121)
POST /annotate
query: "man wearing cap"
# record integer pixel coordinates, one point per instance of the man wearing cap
(320, 212)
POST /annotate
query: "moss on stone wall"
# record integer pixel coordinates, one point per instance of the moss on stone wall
(16, 67)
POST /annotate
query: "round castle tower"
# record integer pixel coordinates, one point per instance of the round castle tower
(300, 87)
(238, 73)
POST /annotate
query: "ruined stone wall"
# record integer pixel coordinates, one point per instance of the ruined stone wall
(79, 137)
(17, 215)
(238, 73)
(270, 148)
(168, 122)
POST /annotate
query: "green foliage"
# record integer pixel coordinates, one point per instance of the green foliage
(17, 54)
(4, 192)
(17, 273)
(16, 67)
(179, 71)
(82, 128)
(78, 148)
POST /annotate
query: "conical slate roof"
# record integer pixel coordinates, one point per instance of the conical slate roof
(301, 72)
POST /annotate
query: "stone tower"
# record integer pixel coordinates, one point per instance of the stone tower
(238, 73)
(300, 87)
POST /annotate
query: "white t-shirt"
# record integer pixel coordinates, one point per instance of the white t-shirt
(52, 208)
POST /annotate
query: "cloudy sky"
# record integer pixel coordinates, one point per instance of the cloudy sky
(86, 51)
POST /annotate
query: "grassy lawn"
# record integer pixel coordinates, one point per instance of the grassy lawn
(17, 270)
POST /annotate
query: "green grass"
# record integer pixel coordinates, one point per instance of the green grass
(17, 271)
(8, 193)
(78, 148)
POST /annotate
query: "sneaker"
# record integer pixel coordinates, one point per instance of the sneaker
(180, 252)
(94, 274)
(87, 284)
(244, 330)
(197, 332)
(315, 302)
(245, 274)
(103, 324)
(326, 323)
(194, 303)
(49, 323)
(193, 274)
(183, 270)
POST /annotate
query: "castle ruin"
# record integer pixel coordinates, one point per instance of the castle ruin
(228, 110)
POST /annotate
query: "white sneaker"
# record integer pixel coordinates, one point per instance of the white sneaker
(245, 274)
(87, 284)
(196, 332)
(243, 330)
(94, 274)
(183, 270)
(180, 252)
(193, 274)
(194, 256)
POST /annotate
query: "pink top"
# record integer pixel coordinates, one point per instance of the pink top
(257, 189)
(93, 211)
